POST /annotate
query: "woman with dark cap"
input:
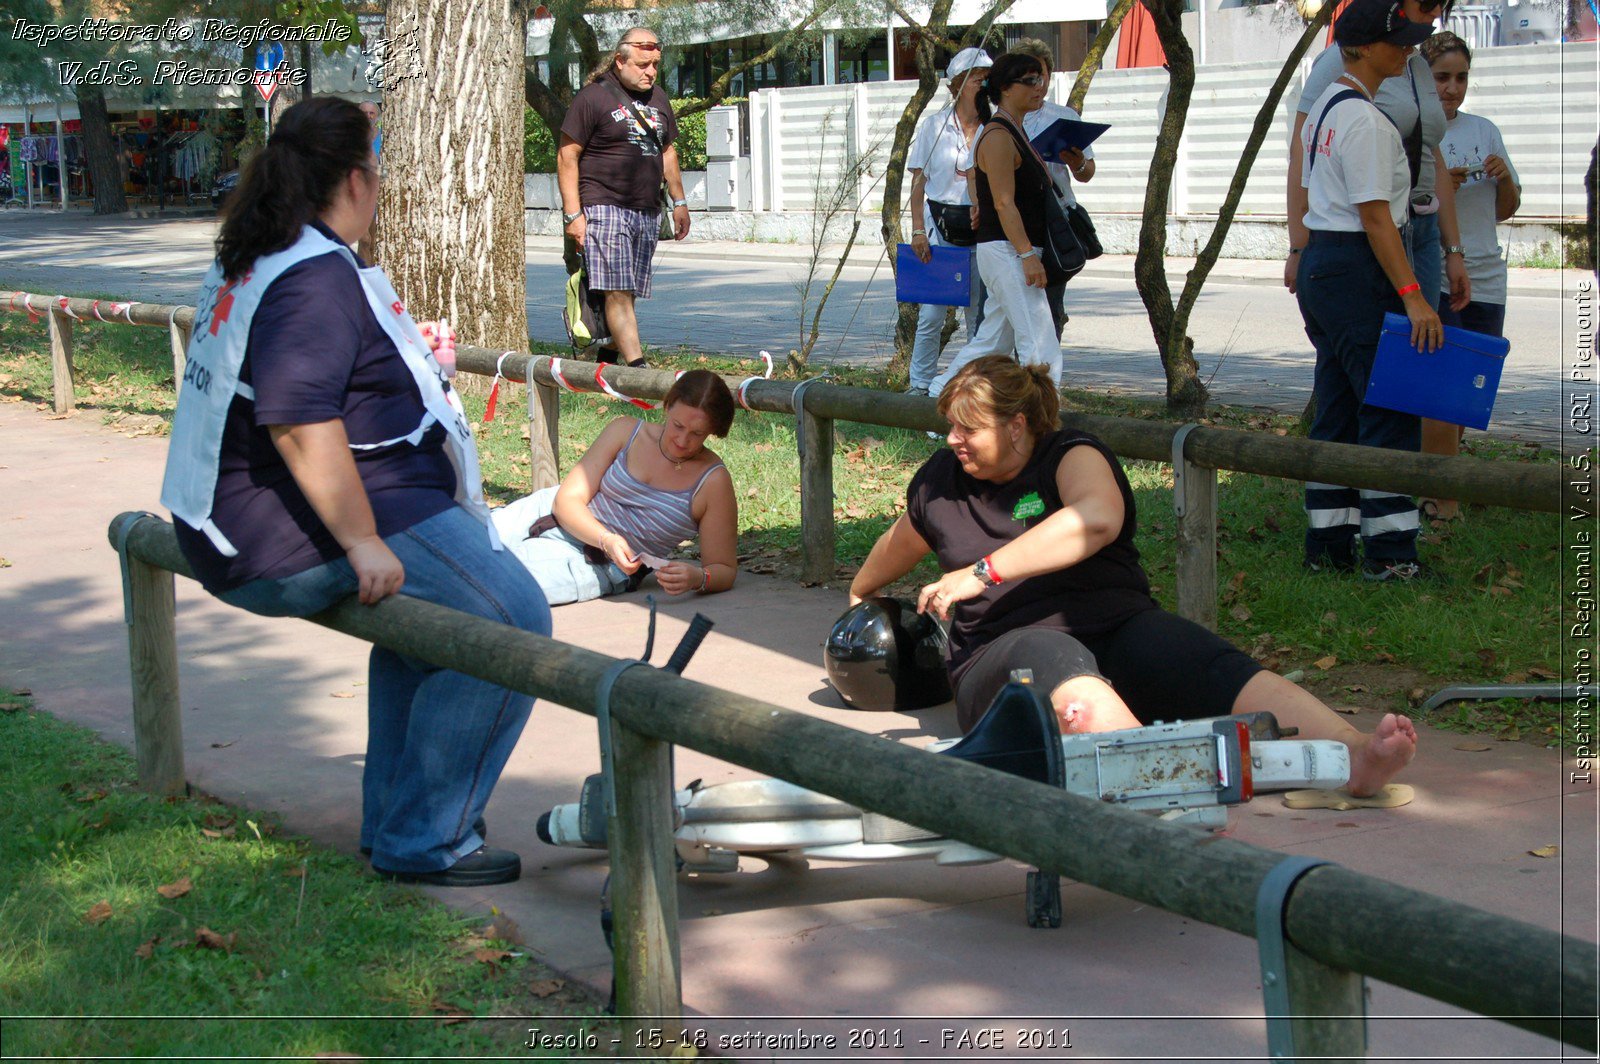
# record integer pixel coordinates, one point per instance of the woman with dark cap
(318, 452)
(1354, 270)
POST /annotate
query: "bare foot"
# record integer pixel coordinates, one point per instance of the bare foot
(1390, 747)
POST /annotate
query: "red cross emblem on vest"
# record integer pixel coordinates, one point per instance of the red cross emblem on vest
(224, 305)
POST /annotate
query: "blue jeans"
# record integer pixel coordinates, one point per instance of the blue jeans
(1343, 294)
(1426, 255)
(1486, 318)
(437, 740)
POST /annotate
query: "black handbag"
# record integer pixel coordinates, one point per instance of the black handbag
(1062, 255)
(954, 222)
(1083, 229)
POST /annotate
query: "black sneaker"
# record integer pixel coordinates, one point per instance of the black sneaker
(1396, 572)
(1330, 563)
(482, 867)
(479, 825)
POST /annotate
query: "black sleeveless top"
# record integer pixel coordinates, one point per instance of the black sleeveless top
(1032, 186)
(963, 519)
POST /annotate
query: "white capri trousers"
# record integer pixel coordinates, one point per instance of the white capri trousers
(1016, 318)
(556, 558)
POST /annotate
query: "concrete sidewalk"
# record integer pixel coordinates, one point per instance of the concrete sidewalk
(274, 717)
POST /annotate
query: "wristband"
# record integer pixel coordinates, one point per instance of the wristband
(705, 579)
(1029, 254)
(919, 232)
(680, 203)
(1408, 289)
(1455, 249)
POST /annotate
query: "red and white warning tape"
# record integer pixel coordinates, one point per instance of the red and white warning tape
(599, 378)
(66, 308)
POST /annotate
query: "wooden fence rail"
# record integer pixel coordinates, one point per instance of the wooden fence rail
(1197, 452)
(1335, 921)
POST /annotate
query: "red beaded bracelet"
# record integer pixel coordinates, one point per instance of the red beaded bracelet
(1408, 289)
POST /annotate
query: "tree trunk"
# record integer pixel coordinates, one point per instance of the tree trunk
(1186, 396)
(101, 152)
(460, 251)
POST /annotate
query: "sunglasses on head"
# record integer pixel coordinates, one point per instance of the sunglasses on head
(644, 46)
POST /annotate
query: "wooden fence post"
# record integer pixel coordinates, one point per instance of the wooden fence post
(1194, 501)
(644, 889)
(61, 360)
(817, 559)
(179, 334)
(1329, 1021)
(544, 432)
(153, 653)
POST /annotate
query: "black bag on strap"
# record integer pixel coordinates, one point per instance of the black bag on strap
(954, 222)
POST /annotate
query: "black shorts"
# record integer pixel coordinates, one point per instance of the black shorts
(1163, 666)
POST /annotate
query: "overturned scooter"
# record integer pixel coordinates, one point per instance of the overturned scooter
(1189, 772)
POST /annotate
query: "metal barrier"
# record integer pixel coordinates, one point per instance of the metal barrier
(1196, 452)
(1337, 925)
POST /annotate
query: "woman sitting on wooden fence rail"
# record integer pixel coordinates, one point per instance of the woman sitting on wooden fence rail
(1034, 528)
(623, 510)
(318, 452)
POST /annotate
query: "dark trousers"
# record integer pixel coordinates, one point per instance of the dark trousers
(1486, 318)
(1343, 294)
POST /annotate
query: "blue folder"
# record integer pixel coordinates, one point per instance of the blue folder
(1456, 383)
(945, 280)
(1066, 133)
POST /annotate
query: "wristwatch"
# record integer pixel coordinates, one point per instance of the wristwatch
(985, 572)
(1455, 249)
(568, 219)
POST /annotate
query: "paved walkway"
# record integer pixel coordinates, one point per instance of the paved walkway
(267, 722)
(720, 296)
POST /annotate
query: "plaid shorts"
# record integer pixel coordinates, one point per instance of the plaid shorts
(618, 246)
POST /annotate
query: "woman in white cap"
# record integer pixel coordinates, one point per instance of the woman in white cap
(941, 205)
(1353, 270)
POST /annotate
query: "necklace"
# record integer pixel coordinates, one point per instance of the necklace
(1355, 83)
(677, 463)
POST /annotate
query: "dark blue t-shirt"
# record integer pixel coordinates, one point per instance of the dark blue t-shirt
(315, 353)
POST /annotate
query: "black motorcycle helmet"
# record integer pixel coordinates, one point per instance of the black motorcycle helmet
(882, 654)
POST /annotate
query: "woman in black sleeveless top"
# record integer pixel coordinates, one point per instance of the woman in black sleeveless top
(1010, 186)
(1033, 527)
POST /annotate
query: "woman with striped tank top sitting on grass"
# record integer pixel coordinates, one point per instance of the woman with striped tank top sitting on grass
(637, 493)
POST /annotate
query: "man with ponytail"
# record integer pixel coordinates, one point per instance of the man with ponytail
(1033, 527)
(318, 452)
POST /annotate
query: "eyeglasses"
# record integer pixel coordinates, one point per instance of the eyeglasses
(1033, 81)
(644, 46)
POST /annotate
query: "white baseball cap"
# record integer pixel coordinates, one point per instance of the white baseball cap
(967, 59)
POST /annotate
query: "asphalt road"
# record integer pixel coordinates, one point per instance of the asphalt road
(743, 298)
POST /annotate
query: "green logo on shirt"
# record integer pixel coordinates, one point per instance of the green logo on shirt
(1030, 505)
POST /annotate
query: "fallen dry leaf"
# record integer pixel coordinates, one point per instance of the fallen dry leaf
(1239, 613)
(1355, 688)
(147, 948)
(490, 956)
(1474, 748)
(1329, 617)
(206, 938)
(1543, 674)
(504, 929)
(98, 913)
(543, 988)
(1415, 696)
(761, 448)
(217, 820)
(1383, 657)
(297, 872)
(1326, 663)
(223, 746)
(212, 833)
(176, 889)
(1514, 677)
(342, 694)
(1485, 655)
(1545, 851)
(90, 796)
(1347, 824)
(448, 1013)
(1348, 711)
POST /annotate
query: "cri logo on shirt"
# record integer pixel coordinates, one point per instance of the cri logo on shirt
(398, 307)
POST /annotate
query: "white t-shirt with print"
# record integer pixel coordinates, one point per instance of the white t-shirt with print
(1407, 99)
(1468, 141)
(1358, 159)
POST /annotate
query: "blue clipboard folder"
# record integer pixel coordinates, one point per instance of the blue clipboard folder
(1066, 133)
(945, 280)
(1456, 383)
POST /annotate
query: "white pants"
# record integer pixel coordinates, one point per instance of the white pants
(1016, 318)
(556, 558)
(930, 321)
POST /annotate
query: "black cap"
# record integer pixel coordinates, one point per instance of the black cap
(1371, 21)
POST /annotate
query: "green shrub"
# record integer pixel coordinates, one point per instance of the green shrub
(539, 144)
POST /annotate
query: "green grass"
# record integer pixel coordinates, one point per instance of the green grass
(299, 931)
(1491, 616)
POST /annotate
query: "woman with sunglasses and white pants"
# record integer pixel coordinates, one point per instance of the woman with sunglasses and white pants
(1010, 185)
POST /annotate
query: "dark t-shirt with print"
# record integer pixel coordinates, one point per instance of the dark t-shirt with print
(963, 519)
(620, 165)
(316, 353)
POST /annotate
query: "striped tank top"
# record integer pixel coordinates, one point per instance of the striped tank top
(653, 520)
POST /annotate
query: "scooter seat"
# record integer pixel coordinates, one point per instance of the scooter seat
(1018, 734)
